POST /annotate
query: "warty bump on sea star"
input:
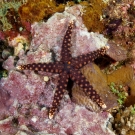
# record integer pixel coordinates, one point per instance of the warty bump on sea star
(68, 67)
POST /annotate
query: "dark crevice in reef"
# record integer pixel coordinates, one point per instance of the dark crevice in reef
(104, 61)
(69, 87)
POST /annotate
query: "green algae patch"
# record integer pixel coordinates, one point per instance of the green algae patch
(124, 77)
(120, 92)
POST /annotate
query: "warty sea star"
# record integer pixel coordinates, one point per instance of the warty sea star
(68, 67)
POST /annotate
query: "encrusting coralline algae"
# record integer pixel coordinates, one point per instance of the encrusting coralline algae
(30, 96)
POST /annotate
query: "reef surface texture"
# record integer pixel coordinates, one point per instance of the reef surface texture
(27, 95)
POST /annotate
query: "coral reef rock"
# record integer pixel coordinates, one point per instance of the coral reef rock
(116, 52)
(124, 75)
(124, 121)
(119, 21)
(95, 77)
(30, 96)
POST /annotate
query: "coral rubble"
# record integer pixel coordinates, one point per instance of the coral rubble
(119, 24)
(124, 121)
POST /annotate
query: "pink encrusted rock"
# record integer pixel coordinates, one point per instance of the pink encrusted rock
(31, 95)
(5, 103)
(24, 88)
(6, 127)
(9, 63)
(49, 35)
(78, 120)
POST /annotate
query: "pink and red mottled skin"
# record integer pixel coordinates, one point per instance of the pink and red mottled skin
(67, 68)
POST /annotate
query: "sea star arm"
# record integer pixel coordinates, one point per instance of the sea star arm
(79, 79)
(65, 51)
(62, 84)
(82, 60)
(47, 67)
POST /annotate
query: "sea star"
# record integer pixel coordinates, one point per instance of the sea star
(68, 67)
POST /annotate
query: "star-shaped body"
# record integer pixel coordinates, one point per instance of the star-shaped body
(68, 67)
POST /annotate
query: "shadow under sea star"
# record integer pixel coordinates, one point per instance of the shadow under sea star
(68, 67)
